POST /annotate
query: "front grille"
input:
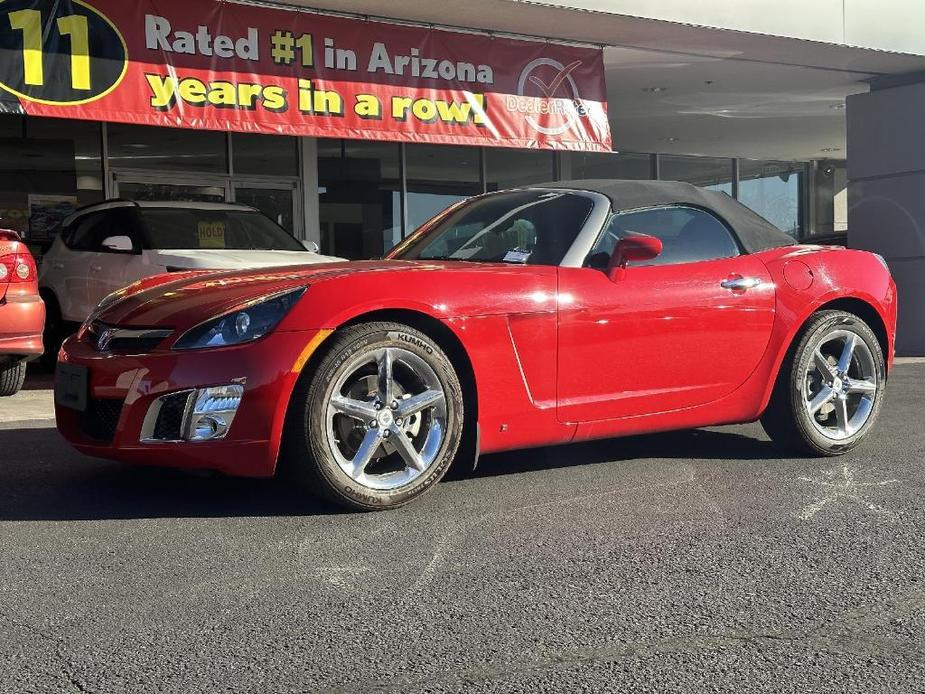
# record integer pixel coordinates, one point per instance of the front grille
(109, 338)
(101, 418)
(169, 424)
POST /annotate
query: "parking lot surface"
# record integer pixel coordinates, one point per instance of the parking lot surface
(695, 561)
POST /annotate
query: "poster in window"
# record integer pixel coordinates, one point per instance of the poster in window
(46, 212)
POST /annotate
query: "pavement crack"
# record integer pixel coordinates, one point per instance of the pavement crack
(819, 637)
(63, 662)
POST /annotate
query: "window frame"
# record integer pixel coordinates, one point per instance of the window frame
(106, 216)
(588, 229)
(740, 250)
(95, 217)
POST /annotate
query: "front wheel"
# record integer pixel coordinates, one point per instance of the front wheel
(380, 421)
(830, 388)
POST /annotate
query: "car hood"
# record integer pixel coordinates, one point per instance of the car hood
(216, 259)
(187, 299)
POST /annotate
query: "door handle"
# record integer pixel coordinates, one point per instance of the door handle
(96, 268)
(740, 284)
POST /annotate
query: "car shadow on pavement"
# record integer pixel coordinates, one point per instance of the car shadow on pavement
(693, 444)
(42, 478)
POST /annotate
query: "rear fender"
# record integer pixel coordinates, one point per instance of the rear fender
(840, 277)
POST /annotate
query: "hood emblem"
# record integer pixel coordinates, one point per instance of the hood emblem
(102, 344)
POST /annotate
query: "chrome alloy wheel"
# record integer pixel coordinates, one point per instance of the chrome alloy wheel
(840, 385)
(386, 418)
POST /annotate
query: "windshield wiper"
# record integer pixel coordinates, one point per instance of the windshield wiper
(441, 258)
(446, 257)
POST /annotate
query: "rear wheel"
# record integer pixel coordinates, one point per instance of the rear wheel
(12, 376)
(830, 388)
(380, 421)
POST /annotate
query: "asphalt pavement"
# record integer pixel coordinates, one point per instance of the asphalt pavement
(688, 562)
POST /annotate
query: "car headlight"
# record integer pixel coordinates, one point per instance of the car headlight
(245, 324)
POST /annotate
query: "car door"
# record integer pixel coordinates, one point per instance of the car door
(108, 270)
(682, 330)
(67, 271)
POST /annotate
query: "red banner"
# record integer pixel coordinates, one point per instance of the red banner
(226, 66)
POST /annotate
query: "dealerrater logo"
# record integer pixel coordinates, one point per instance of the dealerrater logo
(548, 96)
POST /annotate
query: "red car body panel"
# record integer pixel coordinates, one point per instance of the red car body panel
(22, 312)
(140, 380)
(550, 348)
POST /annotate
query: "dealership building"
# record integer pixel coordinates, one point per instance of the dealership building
(809, 113)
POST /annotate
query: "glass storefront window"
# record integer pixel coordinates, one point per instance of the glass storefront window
(512, 168)
(616, 166)
(161, 191)
(437, 176)
(49, 167)
(177, 149)
(703, 172)
(772, 189)
(275, 203)
(12, 126)
(265, 155)
(88, 161)
(359, 193)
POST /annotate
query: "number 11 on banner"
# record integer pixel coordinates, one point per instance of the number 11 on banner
(29, 22)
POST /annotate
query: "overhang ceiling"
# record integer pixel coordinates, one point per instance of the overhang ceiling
(722, 93)
(684, 104)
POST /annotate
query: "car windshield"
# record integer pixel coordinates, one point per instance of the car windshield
(524, 227)
(173, 228)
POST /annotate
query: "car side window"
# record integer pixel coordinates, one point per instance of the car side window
(688, 235)
(123, 221)
(87, 233)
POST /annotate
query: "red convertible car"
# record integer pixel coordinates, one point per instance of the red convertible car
(530, 317)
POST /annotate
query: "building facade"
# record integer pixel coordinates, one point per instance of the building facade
(806, 113)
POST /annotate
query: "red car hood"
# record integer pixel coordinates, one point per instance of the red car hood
(192, 298)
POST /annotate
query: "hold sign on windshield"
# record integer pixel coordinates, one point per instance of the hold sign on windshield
(211, 234)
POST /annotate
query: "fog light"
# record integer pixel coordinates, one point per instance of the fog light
(213, 412)
(209, 426)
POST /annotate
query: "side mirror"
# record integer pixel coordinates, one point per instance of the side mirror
(311, 246)
(633, 249)
(118, 244)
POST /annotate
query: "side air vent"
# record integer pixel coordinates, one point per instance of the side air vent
(165, 418)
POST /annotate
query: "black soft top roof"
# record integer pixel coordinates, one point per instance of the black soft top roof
(754, 232)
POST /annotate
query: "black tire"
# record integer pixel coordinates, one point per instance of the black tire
(307, 448)
(786, 420)
(12, 376)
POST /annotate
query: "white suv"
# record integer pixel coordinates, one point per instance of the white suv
(104, 247)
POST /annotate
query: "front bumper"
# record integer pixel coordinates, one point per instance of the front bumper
(22, 320)
(122, 389)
